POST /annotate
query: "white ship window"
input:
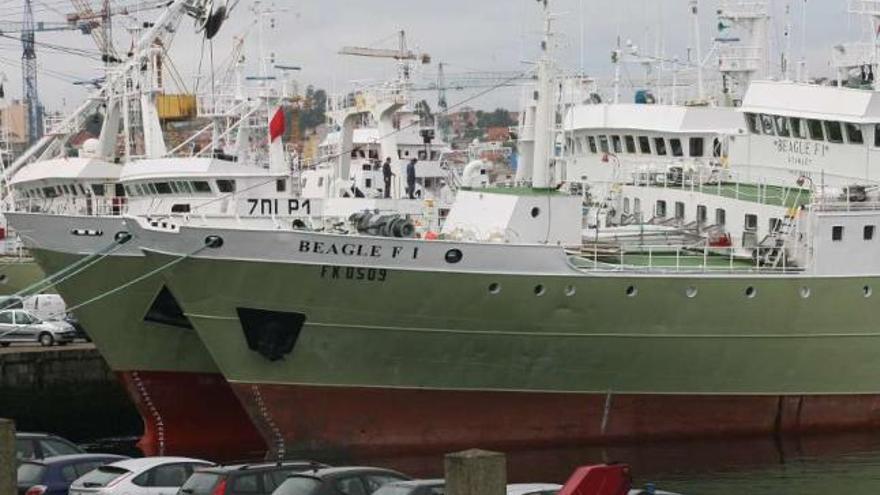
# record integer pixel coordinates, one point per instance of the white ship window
(767, 125)
(435, 155)
(716, 148)
(782, 128)
(163, 188)
(702, 214)
(853, 133)
(569, 146)
(591, 140)
(201, 186)
(798, 129)
(615, 144)
(868, 232)
(660, 210)
(423, 155)
(98, 189)
(630, 143)
(775, 224)
(626, 206)
(129, 191)
(751, 222)
(185, 187)
(82, 189)
(579, 146)
(833, 131)
(226, 185)
(720, 217)
(637, 206)
(837, 233)
(679, 210)
(174, 187)
(675, 145)
(877, 135)
(660, 146)
(644, 145)
(152, 188)
(752, 121)
(138, 189)
(696, 147)
(815, 128)
(280, 185)
(73, 190)
(66, 188)
(603, 144)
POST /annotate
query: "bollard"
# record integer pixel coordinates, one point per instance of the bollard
(8, 485)
(476, 472)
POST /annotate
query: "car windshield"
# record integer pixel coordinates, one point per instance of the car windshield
(298, 485)
(101, 476)
(54, 446)
(200, 484)
(30, 473)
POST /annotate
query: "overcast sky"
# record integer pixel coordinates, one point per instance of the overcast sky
(468, 35)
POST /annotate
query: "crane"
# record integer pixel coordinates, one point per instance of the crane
(402, 54)
(29, 76)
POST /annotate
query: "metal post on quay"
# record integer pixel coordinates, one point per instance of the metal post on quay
(476, 472)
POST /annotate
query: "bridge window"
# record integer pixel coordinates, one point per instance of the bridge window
(877, 135)
(130, 191)
(853, 133)
(833, 132)
(163, 188)
(644, 145)
(630, 143)
(152, 188)
(637, 206)
(767, 124)
(868, 233)
(720, 217)
(702, 214)
(837, 233)
(782, 127)
(716, 148)
(615, 144)
(752, 121)
(280, 185)
(675, 144)
(579, 146)
(201, 186)
(660, 146)
(603, 144)
(775, 224)
(751, 222)
(798, 129)
(815, 128)
(679, 210)
(660, 211)
(591, 140)
(696, 147)
(626, 206)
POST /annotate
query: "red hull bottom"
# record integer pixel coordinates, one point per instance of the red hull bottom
(191, 414)
(374, 421)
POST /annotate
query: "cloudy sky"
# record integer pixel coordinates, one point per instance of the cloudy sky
(467, 35)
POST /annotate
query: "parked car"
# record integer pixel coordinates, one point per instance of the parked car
(18, 325)
(339, 481)
(73, 321)
(413, 487)
(41, 445)
(53, 475)
(533, 489)
(239, 479)
(11, 302)
(145, 476)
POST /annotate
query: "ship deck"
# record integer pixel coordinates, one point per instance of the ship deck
(788, 197)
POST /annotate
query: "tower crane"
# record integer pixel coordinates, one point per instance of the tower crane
(402, 54)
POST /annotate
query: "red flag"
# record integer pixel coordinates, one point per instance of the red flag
(277, 125)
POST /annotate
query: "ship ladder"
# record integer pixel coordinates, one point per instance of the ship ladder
(777, 250)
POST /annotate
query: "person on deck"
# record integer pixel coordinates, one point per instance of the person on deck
(386, 174)
(411, 178)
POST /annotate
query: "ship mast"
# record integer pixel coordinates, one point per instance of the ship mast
(545, 114)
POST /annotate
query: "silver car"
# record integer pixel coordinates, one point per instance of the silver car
(18, 325)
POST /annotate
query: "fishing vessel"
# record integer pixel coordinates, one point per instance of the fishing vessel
(528, 335)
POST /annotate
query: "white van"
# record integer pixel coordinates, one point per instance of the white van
(49, 307)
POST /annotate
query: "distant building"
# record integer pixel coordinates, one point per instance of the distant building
(13, 118)
(497, 134)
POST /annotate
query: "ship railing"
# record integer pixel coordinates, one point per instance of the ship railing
(839, 206)
(599, 257)
(864, 7)
(739, 58)
(719, 182)
(742, 9)
(84, 206)
(852, 54)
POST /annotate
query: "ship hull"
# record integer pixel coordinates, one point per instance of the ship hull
(17, 274)
(412, 357)
(185, 403)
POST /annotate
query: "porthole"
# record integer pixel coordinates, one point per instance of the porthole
(454, 256)
(691, 292)
(751, 292)
(867, 291)
(494, 288)
(4, 278)
(570, 291)
(535, 212)
(540, 290)
(805, 292)
(631, 291)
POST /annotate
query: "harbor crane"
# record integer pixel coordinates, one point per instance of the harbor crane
(402, 54)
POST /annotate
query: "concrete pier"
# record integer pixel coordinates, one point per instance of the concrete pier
(8, 485)
(476, 472)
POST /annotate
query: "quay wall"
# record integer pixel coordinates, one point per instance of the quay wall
(69, 391)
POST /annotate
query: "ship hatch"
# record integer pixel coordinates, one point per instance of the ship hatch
(273, 334)
(167, 311)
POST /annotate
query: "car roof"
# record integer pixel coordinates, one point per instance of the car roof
(148, 462)
(333, 471)
(33, 434)
(417, 483)
(69, 458)
(519, 488)
(262, 465)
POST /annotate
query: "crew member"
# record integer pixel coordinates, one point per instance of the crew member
(411, 178)
(386, 174)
